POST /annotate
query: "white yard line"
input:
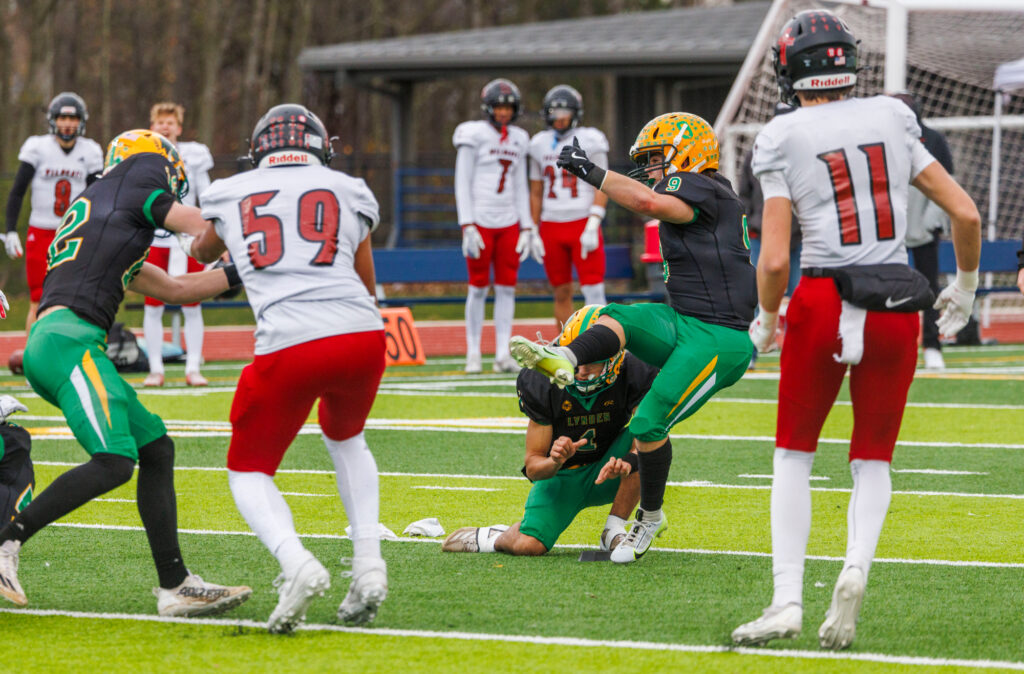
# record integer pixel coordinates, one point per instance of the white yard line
(909, 660)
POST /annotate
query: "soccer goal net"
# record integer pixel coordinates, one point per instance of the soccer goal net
(945, 53)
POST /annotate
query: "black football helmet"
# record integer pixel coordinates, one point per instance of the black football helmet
(500, 92)
(563, 97)
(290, 126)
(70, 104)
(816, 52)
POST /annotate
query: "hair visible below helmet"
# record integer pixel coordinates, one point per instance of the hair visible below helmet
(500, 92)
(563, 97)
(816, 52)
(138, 141)
(577, 323)
(289, 134)
(67, 103)
(685, 141)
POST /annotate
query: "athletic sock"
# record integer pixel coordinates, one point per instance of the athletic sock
(791, 523)
(485, 539)
(594, 293)
(654, 466)
(869, 503)
(595, 344)
(265, 511)
(153, 332)
(504, 312)
(194, 330)
(476, 300)
(357, 480)
(158, 509)
(76, 487)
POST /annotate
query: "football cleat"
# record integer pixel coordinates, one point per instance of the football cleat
(841, 620)
(546, 360)
(10, 588)
(196, 597)
(473, 364)
(641, 534)
(367, 592)
(196, 379)
(611, 537)
(295, 594)
(471, 539)
(776, 622)
(505, 364)
(153, 379)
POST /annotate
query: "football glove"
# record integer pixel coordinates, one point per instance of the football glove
(575, 160)
(956, 303)
(4, 306)
(762, 330)
(185, 240)
(591, 236)
(530, 244)
(472, 242)
(8, 406)
(13, 245)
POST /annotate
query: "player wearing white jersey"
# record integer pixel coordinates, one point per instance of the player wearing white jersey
(494, 213)
(842, 165)
(569, 210)
(299, 233)
(57, 166)
(167, 118)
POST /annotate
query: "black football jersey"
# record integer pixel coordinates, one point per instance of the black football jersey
(104, 238)
(707, 262)
(599, 418)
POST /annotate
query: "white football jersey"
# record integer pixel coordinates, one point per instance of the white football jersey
(60, 176)
(293, 231)
(499, 174)
(566, 197)
(198, 162)
(847, 165)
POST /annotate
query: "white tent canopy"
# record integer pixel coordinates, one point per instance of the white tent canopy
(1010, 76)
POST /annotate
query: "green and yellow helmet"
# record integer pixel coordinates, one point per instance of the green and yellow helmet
(685, 141)
(137, 141)
(577, 323)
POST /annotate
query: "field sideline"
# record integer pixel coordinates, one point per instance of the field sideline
(946, 594)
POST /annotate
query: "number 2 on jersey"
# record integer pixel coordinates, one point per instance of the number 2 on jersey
(319, 219)
(64, 246)
(845, 198)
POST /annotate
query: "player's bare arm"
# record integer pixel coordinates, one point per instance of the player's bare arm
(185, 220)
(208, 246)
(773, 265)
(936, 184)
(536, 198)
(545, 457)
(363, 264)
(153, 281)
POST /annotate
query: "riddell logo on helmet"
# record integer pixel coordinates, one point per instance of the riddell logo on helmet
(831, 82)
(288, 158)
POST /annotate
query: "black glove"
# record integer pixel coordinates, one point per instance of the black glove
(574, 160)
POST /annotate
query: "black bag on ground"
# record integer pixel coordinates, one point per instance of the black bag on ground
(123, 350)
(880, 287)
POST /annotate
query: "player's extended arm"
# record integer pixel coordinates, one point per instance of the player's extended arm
(536, 198)
(185, 219)
(208, 246)
(21, 182)
(363, 264)
(152, 281)
(772, 271)
(623, 190)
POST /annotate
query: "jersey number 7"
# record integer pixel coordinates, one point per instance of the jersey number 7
(318, 220)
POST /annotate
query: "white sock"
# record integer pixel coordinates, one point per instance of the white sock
(869, 503)
(153, 332)
(193, 337)
(485, 539)
(269, 517)
(356, 475)
(791, 523)
(504, 312)
(614, 522)
(476, 300)
(593, 294)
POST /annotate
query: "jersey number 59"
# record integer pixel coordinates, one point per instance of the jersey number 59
(319, 218)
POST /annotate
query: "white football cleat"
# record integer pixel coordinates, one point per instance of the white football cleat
(296, 594)
(367, 592)
(196, 597)
(642, 533)
(473, 539)
(474, 364)
(933, 359)
(10, 588)
(777, 622)
(841, 620)
(153, 379)
(505, 364)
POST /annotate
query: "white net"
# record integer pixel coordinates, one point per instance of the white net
(951, 57)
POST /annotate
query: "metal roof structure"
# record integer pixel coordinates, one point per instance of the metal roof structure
(697, 41)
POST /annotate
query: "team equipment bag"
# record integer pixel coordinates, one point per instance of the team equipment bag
(879, 287)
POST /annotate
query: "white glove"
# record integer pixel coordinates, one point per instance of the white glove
(4, 306)
(591, 236)
(185, 240)
(8, 406)
(13, 245)
(762, 330)
(472, 242)
(530, 245)
(956, 302)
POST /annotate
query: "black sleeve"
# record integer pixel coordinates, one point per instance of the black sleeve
(21, 182)
(936, 144)
(696, 190)
(147, 188)
(639, 377)
(534, 391)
